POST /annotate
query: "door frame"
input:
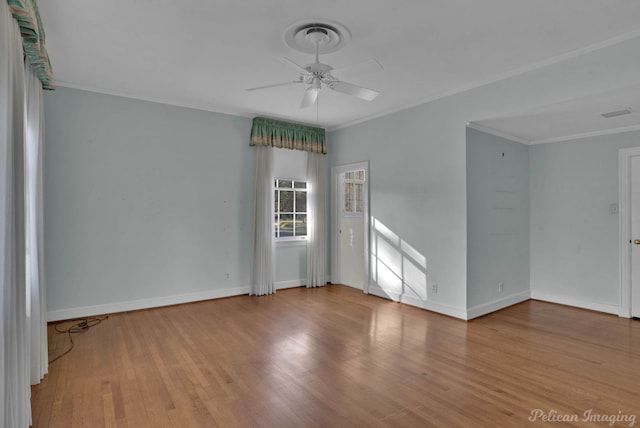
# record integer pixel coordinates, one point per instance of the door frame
(335, 221)
(624, 197)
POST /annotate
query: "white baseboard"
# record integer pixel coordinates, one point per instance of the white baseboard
(487, 308)
(473, 312)
(413, 301)
(571, 301)
(354, 286)
(377, 291)
(291, 284)
(132, 305)
(154, 302)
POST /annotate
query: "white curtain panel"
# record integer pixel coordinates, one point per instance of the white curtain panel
(263, 260)
(316, 220)
(15, 408)
(34, 145)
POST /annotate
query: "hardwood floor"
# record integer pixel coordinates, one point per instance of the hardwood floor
(334, 357)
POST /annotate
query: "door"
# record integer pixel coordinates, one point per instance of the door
(635, 236)
(350, 231)
(351, 228)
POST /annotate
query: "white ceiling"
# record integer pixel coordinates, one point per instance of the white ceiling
(571, 119)
(204, 53)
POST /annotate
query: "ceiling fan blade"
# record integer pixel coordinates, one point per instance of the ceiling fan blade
(354, 90)
(294, 64)
(273, 86)
(310, 97)
(360, 68)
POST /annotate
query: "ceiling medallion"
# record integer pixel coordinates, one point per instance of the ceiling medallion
(329, 36)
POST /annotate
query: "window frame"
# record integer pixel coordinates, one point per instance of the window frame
(354, 199)
(300, 239)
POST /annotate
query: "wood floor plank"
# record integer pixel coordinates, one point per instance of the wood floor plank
(334, 357)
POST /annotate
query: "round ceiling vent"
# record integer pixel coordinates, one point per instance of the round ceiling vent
(329, 36)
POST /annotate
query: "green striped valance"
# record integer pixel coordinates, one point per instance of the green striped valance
(25, 12)
(285, 135)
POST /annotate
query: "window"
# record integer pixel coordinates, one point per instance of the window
(353, 197)
(290, 209)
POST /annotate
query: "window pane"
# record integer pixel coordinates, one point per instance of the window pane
(354, 175)
(275, 225)
(286, 201)
(301, 225)
(286, 225)
(290, 199)
(359, 198)
(301, 202)
(348, 197)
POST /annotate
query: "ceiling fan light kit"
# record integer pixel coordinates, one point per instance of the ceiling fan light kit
(319, 37)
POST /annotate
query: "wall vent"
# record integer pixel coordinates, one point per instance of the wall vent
(616, 113)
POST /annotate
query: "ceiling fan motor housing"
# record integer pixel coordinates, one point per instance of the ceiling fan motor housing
(317, 36)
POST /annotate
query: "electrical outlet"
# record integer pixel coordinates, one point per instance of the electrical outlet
(500, 287)
(227, 276)
(434, 288)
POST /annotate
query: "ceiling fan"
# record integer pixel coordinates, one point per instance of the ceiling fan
(318, 75)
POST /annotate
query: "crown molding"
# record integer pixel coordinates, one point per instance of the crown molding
(587, 135)
(194, 106)
(497, 133)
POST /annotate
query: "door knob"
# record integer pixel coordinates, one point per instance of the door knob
(636, 241)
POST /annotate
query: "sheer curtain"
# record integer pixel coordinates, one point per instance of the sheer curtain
(34, 183)
(316, 222)
(263, 269)
(14, 379)
(23, 349)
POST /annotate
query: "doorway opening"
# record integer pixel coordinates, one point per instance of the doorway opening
(629, 240)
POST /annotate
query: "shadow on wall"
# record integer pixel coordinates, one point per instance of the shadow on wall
(397, 269)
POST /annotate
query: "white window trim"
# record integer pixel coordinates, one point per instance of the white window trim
(291, 241)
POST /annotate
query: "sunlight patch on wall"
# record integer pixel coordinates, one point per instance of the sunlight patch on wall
(396, 267)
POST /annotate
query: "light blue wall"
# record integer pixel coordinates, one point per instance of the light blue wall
(145, 203)
(418, 158)
(417, 188)
(149, 204)
(497, 220)
(574, 236)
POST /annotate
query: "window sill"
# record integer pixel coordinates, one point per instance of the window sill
(291, 242)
